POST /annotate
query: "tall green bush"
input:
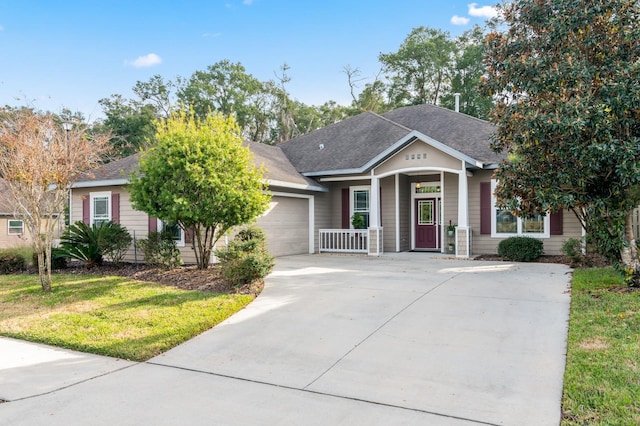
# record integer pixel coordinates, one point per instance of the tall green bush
(160, 248)
(246, 258)
(520, 249)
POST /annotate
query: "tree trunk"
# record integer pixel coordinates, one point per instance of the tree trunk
(45, 280)
(629, 254)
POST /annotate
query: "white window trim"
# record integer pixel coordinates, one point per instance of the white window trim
(352, 190)
(94, 195)
(519, 233)
(9, 227)
(180, 242)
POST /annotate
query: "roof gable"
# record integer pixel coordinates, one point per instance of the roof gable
(357, 144)
(348, 145)
(464, 133)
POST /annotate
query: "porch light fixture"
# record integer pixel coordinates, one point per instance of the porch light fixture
(418, 185)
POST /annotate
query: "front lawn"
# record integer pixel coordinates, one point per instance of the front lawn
(109, 315)
(602, 377)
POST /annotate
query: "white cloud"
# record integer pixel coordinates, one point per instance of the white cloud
(482, 11)
(459, 20)
(148, 60)
(247, 2)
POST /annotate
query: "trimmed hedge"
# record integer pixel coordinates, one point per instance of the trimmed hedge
(246, 259)
(12, 262)
(520, 249)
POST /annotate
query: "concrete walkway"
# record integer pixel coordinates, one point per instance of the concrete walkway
(332, 340)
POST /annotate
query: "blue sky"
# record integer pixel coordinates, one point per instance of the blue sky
(71, 53)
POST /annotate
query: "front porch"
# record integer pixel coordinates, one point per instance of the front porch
(407, 210)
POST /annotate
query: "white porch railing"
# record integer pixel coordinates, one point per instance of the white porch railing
(343, 240)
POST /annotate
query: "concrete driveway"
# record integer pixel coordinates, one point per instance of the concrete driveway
(335, 340)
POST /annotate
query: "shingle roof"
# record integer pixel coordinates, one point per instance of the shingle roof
(354, 142)
(278, 167)
(115, 170)
(6, 203)
(466, 134)
(346, 145)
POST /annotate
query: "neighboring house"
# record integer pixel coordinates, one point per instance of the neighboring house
(409, 172)
(13, 231)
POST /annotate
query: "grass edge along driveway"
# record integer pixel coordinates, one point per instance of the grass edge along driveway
(109, 315)
(602, 375)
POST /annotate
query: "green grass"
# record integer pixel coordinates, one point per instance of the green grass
(112, 316)
(602, 376)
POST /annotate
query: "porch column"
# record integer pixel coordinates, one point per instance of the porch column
(463, 232)
(375, 230)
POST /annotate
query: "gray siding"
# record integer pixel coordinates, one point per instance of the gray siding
(485, 244)
(388, 213)
(405, 213)
(323, 213)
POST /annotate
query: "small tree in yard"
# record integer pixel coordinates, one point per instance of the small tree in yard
(564, 75)
(200, 177)
(39, 161)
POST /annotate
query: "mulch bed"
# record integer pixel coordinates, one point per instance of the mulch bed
(588, 261)
(185, 277)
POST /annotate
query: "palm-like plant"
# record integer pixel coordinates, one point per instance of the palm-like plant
(90, 243)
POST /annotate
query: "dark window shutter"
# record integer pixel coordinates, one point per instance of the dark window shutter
(153, 224)
(188, 236)
(346, 220)
(555, 223)
(85, 209)
(115, 207)
(485, 208)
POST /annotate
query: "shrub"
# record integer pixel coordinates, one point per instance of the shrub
(357, 221)
(11, 261)
(573, 248)
(24, 251)
(58, 255)
(246, 258)
(115, 241)
(520, 249)
(160, 248)
(90, 243)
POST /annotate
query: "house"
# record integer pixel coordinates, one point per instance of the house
(410, 173)
(13, 231)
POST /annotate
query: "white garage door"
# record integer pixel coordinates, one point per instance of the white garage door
(286, 224)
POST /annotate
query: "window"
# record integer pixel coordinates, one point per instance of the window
(506, 224)
(360, 202)
(100, 207)
(16, 227)
(175, 230)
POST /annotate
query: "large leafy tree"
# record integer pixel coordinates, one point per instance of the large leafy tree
(199, 176)
(466, 75)
(565, 79)
(130, 123)
(223, 87)
(39, 161)
(418, 71)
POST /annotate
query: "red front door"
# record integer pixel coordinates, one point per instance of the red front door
(426, 223)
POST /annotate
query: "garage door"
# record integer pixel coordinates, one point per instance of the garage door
(286, 224)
